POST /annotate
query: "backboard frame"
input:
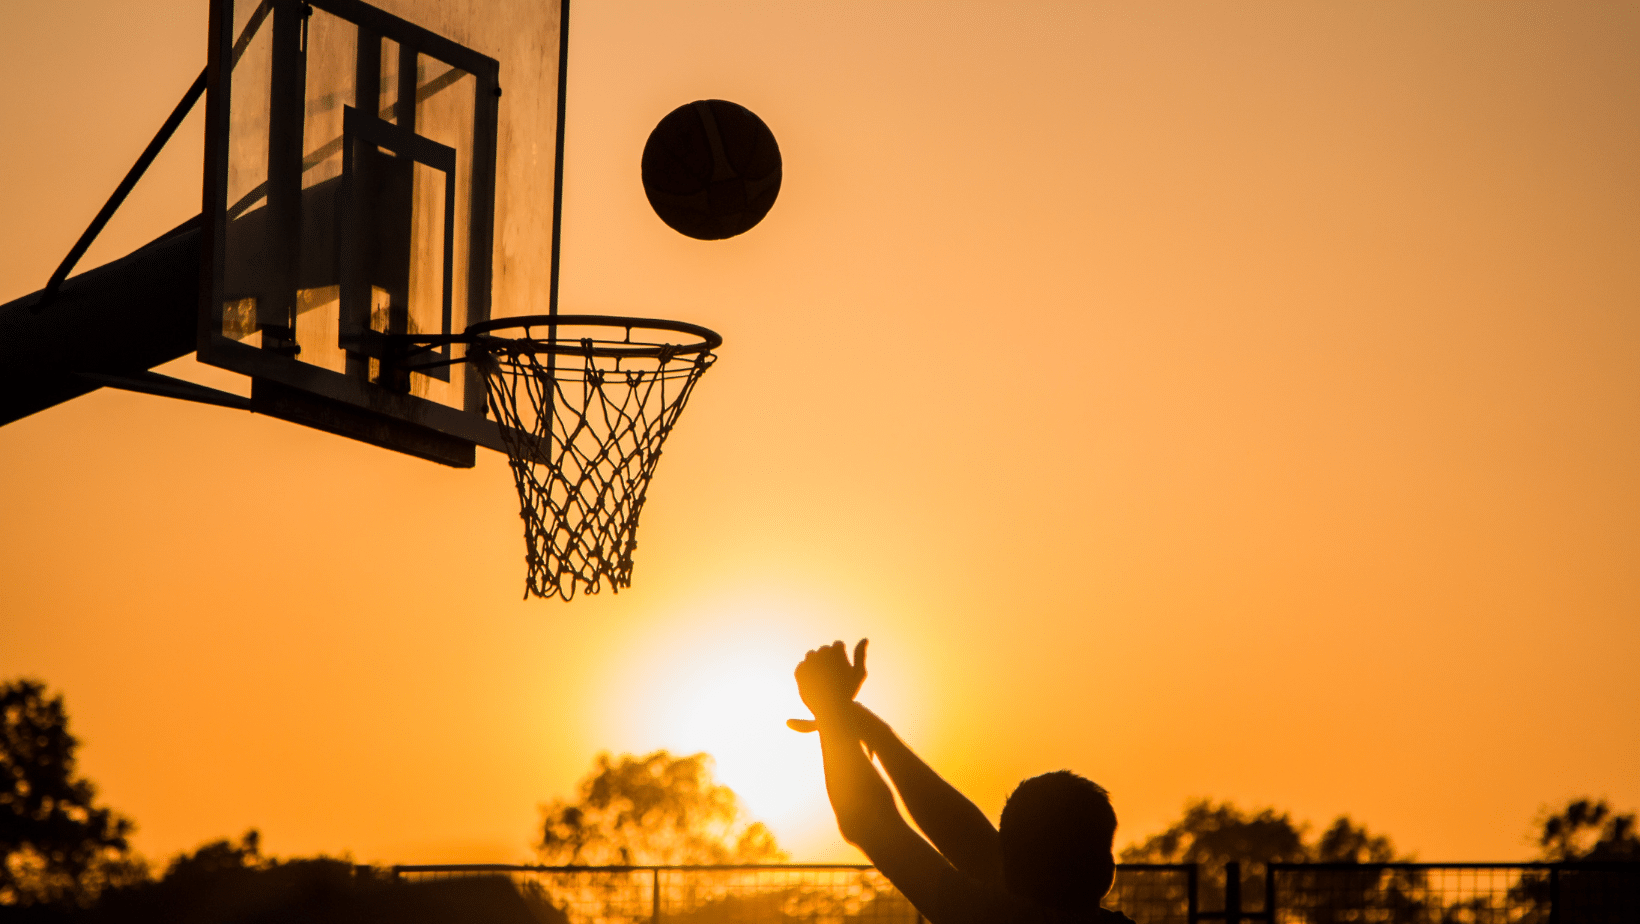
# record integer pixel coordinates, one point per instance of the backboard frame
(367, 401)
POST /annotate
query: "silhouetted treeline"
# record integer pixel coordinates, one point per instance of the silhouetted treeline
(232, 883)
(65, 858)
(1588, 830)
(57, 846)
(653, 810)
(1214, 835)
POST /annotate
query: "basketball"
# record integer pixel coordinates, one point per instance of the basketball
(711, 169)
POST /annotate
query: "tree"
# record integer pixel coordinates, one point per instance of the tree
(218, 857)
(1587, 830)
(653, 810)
(1213, 835)
(1343, 842)
(224, 881)
(57, 847)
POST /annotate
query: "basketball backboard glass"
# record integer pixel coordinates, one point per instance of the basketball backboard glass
(375, 170)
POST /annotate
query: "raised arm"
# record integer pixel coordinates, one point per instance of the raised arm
(959, 830)
(954, 823)
(865, 809)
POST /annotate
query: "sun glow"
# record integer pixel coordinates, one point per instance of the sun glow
(726, 688)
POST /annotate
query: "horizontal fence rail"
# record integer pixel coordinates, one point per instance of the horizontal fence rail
(775, 894)
(1453, 893)
(1294, 893)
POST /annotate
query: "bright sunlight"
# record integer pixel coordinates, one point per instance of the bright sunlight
(724, 685)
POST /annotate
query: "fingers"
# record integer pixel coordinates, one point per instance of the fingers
(826, 678)
(835, 657)
(825, 652)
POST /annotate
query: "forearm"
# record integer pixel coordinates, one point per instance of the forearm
(868, 817)
(859, 797)
(867, 814)
(954, 823)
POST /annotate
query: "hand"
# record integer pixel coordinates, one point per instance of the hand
(826, 680)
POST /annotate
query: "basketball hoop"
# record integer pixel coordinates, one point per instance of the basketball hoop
(583, 418)
(584, 403)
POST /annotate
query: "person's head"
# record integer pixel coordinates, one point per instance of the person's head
(1057, 830)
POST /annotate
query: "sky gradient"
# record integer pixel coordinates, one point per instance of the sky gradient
(1218, 400)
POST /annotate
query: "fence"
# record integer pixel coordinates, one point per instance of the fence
(1452, 893)
(1294, 893)
(782, 894)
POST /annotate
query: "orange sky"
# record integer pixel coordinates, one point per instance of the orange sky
(1219, 400)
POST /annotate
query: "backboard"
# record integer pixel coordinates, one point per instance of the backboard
(376, 170)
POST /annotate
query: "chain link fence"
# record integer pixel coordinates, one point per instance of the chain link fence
(1294, 893)
(1453, 893)
(785, 894)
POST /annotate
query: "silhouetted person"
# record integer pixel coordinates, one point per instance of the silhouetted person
(1050, 863)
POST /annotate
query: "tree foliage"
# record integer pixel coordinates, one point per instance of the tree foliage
(225, 881)
(653, 810)
(1213, 835)
(1587, 829)
(1345, 842)
(57, 847)
(218, 857)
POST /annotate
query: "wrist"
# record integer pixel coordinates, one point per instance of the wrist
(833, 712)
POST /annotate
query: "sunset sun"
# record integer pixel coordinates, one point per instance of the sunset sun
(724, 685)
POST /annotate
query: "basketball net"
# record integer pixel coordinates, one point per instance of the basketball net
(583, 432)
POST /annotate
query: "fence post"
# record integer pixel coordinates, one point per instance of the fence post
(1191, 908)
(1232, 892)
(1554, 895)
(655, 896)
(1270, 892)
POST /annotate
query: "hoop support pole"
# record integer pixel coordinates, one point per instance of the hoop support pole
(49, 294)
(165, 386)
